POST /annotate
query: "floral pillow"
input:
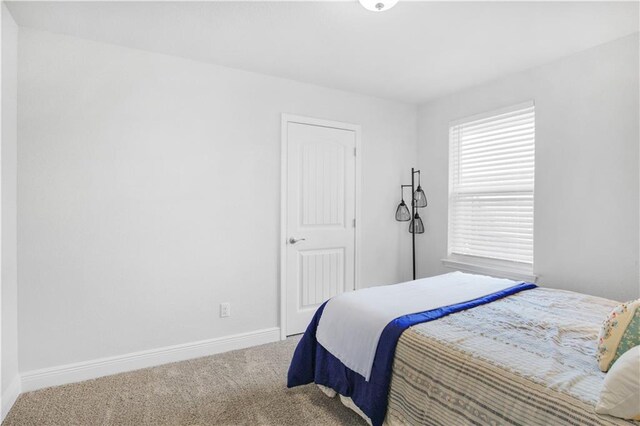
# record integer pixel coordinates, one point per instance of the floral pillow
(620, 332)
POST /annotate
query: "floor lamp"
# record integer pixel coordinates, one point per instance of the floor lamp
(418, 200)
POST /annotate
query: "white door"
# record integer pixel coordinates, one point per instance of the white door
(320, 225)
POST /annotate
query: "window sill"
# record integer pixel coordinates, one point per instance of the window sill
(492, 270)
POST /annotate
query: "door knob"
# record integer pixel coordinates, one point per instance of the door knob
(295, 240)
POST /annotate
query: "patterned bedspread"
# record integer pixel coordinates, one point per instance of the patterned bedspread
(528, 359)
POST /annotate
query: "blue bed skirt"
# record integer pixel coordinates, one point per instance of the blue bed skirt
(312, 363)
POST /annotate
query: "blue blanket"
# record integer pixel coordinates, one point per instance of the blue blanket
(313, 363)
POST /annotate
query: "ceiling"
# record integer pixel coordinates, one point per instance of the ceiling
(414, 52)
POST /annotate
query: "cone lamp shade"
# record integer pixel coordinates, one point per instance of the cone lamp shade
(420, 197)
(402, 212)
(416, 225)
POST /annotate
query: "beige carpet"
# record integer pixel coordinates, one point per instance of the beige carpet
(245, 387)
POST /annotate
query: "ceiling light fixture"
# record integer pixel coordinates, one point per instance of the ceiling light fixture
(378, 5)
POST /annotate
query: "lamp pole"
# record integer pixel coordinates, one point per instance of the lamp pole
(413, 214)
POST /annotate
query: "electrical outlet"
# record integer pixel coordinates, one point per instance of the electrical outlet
(225, 310)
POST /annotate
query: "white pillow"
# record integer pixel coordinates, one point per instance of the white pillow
(620, 395)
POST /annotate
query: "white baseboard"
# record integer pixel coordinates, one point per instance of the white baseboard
(70, 373)
(10, 396)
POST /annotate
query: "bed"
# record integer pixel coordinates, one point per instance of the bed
(524, 358)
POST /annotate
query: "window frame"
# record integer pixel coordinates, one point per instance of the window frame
(477, 264)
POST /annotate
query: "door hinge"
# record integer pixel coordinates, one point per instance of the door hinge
(354, 152)
(354, 223)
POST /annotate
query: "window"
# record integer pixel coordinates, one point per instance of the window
(491, 182)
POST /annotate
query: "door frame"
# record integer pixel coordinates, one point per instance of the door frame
(292, 118)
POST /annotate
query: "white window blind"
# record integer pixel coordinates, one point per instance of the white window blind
(491, 186)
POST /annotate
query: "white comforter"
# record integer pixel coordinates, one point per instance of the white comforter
(352, 323)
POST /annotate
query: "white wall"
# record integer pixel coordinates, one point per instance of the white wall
(150, 193)
(586, 195)
(9, 352)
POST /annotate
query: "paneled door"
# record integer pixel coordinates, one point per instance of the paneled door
(320, 218)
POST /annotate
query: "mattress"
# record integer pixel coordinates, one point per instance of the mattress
(528, 359)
